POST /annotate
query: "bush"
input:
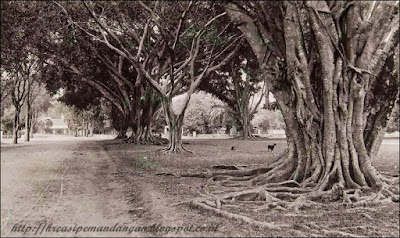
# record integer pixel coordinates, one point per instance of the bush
(268, 120)
(394, 124)
(6, 124)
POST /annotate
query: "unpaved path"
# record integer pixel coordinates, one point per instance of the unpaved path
(62, 184)
(78, 184)
(151, 207)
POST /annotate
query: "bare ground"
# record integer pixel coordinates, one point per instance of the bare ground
(101, 183)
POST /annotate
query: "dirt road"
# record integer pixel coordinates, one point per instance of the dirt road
(70, 185)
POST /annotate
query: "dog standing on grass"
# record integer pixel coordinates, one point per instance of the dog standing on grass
(271, 147)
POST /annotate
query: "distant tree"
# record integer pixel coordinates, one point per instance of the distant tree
(47, 124)
(394, 122)
(245, 93)
(21, 66)
(172, 54)
(23, 75)
(240, 86)
(6, 83)
(40, 107)
(268, 119)
(6, 125)
(34, 105)
(204, 112)
(86, 68)
(219, 115)
(197, 114)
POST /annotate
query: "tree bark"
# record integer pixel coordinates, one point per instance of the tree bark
(175, 135)
(246, 127)
(326, 93)
(175, 123)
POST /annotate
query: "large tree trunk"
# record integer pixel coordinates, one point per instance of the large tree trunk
(335, 102)
(138, 125)
(119, 121)
(246, 126)
(147, 118)
(175, 123)
(175, 135)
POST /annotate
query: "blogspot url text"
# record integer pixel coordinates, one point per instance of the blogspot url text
(43, 228)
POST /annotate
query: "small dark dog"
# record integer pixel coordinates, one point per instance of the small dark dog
(271, 147)
(233, 148)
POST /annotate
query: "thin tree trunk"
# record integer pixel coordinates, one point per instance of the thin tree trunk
(91, 128)
(28, 119)
(122, 132)
(31, 128)
(15, 126)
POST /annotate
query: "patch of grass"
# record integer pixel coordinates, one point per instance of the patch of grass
(144, 162)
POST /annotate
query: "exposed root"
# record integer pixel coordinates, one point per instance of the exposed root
(176, 150)
(227, 167)
(228, 175)
(201, 204)
(235, 185)
(281, 186)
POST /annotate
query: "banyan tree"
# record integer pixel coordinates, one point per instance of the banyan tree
(333, 68)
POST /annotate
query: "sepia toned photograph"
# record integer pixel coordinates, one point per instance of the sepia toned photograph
(200, 118)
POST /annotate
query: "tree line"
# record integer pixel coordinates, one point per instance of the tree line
(332, 67)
